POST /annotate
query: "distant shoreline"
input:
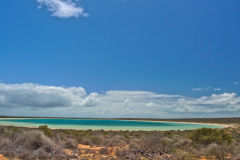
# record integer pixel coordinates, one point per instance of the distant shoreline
(215, 124)
(229, 120)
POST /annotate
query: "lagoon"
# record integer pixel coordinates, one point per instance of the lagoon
(98, 124)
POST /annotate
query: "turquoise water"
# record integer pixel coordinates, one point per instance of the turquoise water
(85, 124)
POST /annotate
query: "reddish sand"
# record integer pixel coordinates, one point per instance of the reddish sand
(2, 157)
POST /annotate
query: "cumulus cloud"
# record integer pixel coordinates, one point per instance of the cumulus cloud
(40, 100)
(63, 8)
(33, 95)
(210, 104)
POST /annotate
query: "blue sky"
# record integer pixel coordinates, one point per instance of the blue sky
(186, 48)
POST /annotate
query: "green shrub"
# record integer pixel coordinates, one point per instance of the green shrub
(48, 132)
(207, 136)
(184, 155)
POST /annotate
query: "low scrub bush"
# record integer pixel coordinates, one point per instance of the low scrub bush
(184, 155)
(151, 144)
(115, 141)
(31, 145)
(70, 144)
(87, 141)
(207, 136)
(104, 150)
(45, 143)
(48, 132)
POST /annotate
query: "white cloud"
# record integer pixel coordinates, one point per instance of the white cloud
(40, 100)
(206, 89)
(63, 8)
(197, 89)
(33, 95)
(125, 102)
(150, 104)
(225, 102)
(237, 83)
(202, 89)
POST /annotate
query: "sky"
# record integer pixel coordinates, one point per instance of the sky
(120, 58)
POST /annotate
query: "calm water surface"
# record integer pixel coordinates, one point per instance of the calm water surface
(103, 124)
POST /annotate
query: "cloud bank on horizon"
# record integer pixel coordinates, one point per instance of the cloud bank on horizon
(30, 99)
(63, 8)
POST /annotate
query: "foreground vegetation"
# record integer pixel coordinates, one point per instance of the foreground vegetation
(45, 143)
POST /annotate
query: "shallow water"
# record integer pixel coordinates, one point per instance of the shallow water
(85, 124)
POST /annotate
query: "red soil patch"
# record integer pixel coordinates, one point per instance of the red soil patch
(2, 157)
